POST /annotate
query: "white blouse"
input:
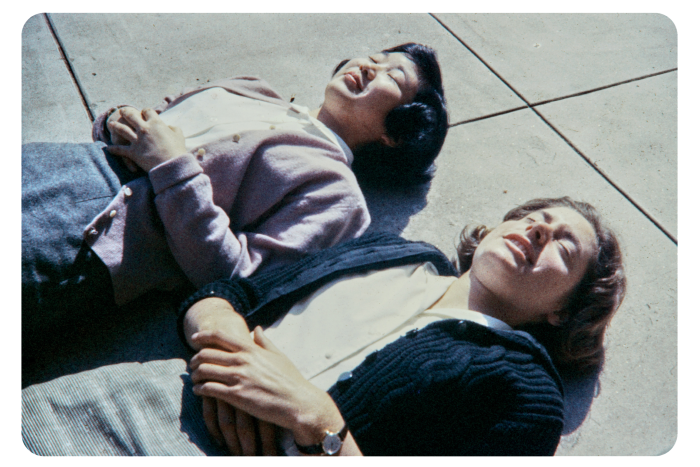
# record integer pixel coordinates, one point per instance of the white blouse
(216, 113)
(332, 331)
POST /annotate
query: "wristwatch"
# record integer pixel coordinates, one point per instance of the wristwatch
(330, 446)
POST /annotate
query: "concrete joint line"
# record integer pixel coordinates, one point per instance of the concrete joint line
(503, 112)
(480, 59)
(595, 167)
(603, 87)
(71, 71)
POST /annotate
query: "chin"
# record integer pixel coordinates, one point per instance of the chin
(501, 260)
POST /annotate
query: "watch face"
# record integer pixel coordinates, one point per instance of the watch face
(332, 444)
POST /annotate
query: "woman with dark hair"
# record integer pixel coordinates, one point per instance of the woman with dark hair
(415, 360)
(418, 129)
(217, 182)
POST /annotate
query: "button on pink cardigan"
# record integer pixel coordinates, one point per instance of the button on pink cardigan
(262, 199)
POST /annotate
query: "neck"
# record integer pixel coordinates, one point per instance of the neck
(336, 126)
(470, 294)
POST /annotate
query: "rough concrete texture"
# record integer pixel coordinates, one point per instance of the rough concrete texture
(486, 167)
(630, 132)
(545, 56)
(51, 106)
(140, 58)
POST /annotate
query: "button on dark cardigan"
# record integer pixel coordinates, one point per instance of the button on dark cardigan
(452, 388)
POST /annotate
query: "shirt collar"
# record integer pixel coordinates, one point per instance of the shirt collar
(325, 130)
(474, 316)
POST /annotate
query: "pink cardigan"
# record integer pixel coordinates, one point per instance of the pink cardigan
(255, 200)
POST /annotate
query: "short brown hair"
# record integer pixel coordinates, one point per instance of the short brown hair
(577, 342)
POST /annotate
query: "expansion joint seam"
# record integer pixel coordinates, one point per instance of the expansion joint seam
(593, 165)
(69, 66)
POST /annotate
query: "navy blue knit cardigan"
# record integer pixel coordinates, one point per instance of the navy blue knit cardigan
(451, 388)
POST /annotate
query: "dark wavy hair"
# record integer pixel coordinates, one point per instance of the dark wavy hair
(576, 344)
(419, 129)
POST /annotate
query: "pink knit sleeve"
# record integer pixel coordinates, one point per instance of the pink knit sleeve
(317, 203)
(196, 229)
(306, 201)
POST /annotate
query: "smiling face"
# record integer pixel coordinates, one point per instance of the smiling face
(532, 265)
(362, 93)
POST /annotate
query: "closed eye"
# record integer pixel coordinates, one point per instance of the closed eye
(390, 76)
(565, 249)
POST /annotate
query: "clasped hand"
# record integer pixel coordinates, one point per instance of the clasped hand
(143, 138)
(256, 378)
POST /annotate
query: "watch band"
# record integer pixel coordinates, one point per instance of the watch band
(331, 444)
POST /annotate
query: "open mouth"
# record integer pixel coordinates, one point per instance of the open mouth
(353, 81)
(521, 246)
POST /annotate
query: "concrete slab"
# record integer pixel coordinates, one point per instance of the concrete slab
(51, 106)
(630, 131)
(486, 168)
(489, 167)
(138, 59)
(552, 55)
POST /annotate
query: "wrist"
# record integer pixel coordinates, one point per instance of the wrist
(311, 426)
(211, 314)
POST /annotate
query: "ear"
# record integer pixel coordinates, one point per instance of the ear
(553, 318)
(387, 141)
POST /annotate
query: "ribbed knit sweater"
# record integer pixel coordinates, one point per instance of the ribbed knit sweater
(451, 388)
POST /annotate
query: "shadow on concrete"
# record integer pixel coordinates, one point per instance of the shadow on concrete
(391, 208)
(579, 392)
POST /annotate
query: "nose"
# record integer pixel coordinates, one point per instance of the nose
(369, 70)
(540, 233)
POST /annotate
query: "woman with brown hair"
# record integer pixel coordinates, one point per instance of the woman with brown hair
(576, 342)
(415, 361)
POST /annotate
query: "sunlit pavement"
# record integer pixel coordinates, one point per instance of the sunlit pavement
(540, 106)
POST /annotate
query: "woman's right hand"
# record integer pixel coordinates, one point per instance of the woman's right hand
(258, 379)
(118, 140)
(150, 140)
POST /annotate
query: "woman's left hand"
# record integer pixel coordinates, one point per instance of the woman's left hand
(151, 141)
(258, 379)
(242, 434)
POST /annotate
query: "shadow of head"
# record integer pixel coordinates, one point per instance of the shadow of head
(391, 208)
(579, 391)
